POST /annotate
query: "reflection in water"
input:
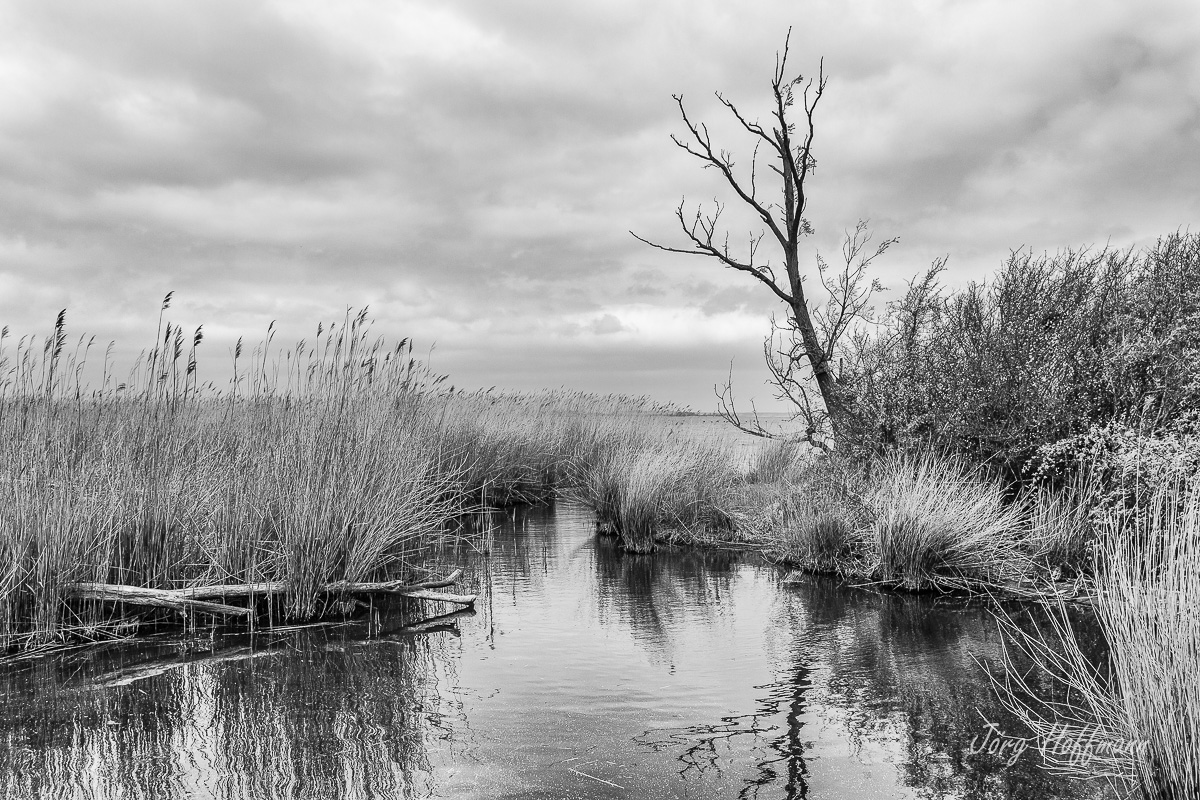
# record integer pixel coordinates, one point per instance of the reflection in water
(585, 672)
(313, 713)
(698, 747)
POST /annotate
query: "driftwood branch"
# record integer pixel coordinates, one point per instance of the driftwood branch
(344, 587)
(198, 598)
(159, 598)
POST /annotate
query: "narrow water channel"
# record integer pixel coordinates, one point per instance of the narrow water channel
(584, 673)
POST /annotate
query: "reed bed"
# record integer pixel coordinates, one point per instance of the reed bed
(521, 448)
(809, 510)
(343, 459)
(1137, 719)
(779, 460)
(316, 467)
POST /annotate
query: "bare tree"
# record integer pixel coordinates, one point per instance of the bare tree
(813, 334)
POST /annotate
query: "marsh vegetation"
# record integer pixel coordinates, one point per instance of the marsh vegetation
(341, 460)
(1033, 437)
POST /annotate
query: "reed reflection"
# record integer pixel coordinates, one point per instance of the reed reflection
(315, 713)
(657, 595)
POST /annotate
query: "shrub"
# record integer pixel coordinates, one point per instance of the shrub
(1049, 347)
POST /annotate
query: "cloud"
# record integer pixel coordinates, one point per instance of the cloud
(471, 170)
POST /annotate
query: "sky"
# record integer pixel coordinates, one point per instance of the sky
(471, 169)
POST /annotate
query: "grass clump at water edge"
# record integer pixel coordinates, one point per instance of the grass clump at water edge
(936, 524)
(644, 485)
(914, 521)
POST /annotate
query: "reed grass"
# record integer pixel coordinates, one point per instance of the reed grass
(1062, 528)
(342, 458)
(520, 448)
(809, 509)
(1138, 719)
(813, 533)
(317, 466)
(780, 460)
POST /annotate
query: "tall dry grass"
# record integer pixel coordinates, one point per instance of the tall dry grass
(1138, 719)
(317, 466)
(519, 448)
(342, 458)
(808, 508)
(1062, 528)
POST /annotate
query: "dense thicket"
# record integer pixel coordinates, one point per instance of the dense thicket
(1052, 349)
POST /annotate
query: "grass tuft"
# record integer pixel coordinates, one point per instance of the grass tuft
(644, 487)
(936, 524)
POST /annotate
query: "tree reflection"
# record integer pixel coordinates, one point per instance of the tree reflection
(903, 672)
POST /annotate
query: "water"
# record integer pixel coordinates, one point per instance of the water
(583, 673)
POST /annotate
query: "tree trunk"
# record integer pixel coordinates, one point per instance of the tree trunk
(812, 345)
(820, 367)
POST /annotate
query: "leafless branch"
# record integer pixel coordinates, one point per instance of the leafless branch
(849, 291)
(724, 164)
(727, 408)
(702, 232)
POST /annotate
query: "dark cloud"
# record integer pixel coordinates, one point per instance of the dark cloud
(471, 170)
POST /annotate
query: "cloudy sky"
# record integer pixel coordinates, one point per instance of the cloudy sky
(471, 168)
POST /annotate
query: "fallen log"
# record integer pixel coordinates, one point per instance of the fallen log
(142, 596)
(394, 587)
(197, 598)
(346, 587)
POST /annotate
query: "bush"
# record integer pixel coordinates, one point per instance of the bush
(1052, 346)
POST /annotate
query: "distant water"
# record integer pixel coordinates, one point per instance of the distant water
(715, 428)
(584, 673)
